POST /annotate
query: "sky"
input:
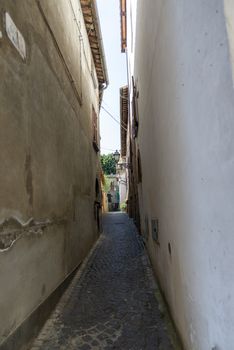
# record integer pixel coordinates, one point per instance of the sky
(109, 14)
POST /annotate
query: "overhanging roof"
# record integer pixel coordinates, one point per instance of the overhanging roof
(90, 13)
(123, 19)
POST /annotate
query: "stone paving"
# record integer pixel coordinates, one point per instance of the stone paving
(113, 302)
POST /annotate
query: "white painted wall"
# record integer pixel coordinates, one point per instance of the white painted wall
(131, 39)
(122, 181)
(183, 65)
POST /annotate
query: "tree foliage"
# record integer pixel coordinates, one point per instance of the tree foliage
(108, 164)
(106, 187)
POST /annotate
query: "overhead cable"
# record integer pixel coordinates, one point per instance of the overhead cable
(116, 120)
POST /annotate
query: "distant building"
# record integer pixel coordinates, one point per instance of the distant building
(128, 108)
(122, 167)
(113, 193)
(180, 140)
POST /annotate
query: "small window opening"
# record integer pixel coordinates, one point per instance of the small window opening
(95, 130)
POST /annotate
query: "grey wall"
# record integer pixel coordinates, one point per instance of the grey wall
(48, 164)
(183, 69)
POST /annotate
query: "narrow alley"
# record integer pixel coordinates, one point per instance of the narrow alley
(113, 302)
(117, 174)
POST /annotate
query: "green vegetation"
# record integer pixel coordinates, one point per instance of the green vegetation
(123, 206)
(106, 186)
(108, 164)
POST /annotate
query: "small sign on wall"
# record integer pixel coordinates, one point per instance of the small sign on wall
(15, 36)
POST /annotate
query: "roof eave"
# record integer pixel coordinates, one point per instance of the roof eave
(96, 42)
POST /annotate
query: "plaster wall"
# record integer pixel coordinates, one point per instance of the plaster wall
(183, 65)
(48, 164)
(122, 180)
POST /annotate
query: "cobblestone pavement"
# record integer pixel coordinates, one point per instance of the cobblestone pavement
(113, 302)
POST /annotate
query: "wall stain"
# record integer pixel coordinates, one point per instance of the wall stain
(43, 289)
(29, 178)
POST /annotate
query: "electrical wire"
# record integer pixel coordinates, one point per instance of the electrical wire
(109, 108)
(123, 97)
(108, 149)
(78, 24)
(116, 120)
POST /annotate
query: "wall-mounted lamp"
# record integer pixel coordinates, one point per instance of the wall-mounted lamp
(116, 156)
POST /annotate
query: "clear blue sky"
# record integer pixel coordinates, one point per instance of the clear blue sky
(109, 13)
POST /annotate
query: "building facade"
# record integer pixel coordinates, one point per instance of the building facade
(180, 64)
(53, 75)
(122, 167)
(129, 136)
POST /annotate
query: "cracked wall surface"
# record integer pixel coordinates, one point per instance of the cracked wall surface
(48, 164)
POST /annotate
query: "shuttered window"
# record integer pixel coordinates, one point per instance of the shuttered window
(95, 130)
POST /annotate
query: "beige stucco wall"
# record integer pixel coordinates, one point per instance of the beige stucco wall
(48, 164)
(183, 66)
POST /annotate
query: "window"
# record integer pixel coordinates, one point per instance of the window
(135, 124)
(139, 170)
(97, 190)
(95, 130)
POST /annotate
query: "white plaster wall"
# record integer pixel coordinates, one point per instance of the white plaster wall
(229, 14)
(131, 33)
(122, 180)
(186, 138)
